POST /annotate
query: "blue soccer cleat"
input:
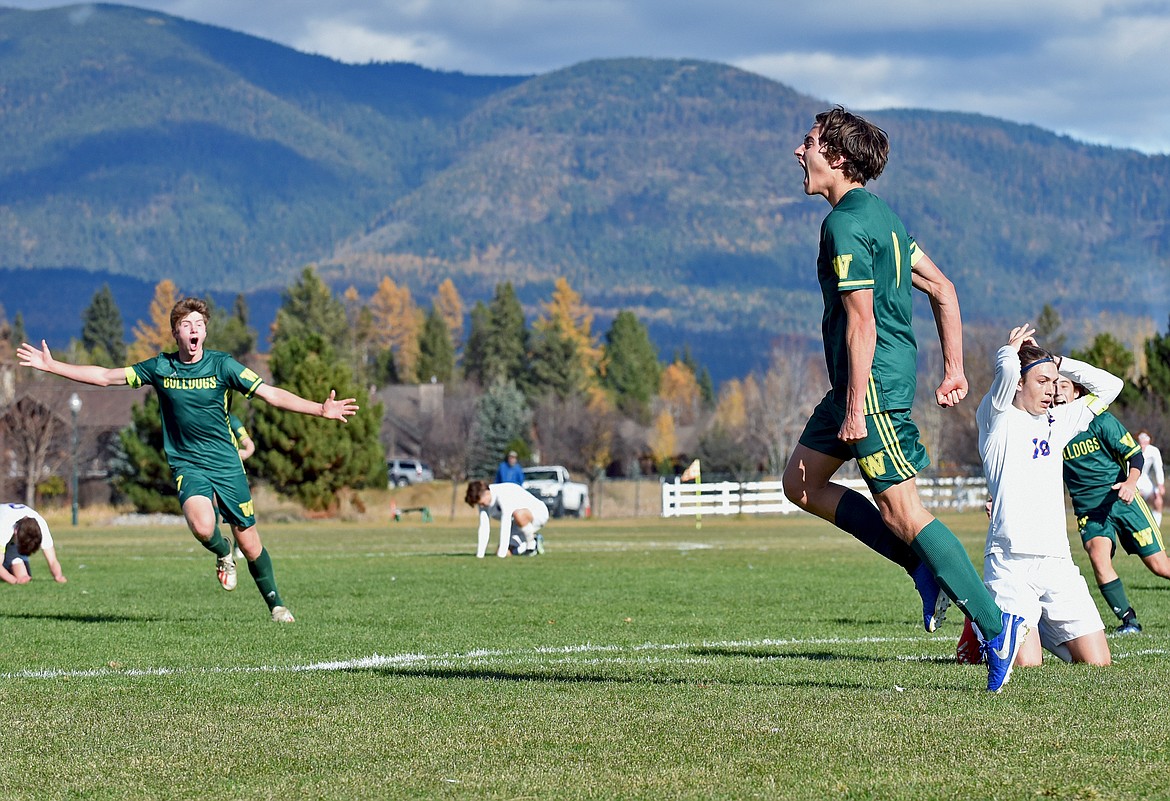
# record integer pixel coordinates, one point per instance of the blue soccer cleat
(1130, 626)
(1000, 652)
(934, 600)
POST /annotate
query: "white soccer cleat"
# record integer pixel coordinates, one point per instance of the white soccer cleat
(280, 614)
(225, 571)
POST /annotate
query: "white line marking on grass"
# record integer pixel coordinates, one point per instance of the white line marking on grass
(581, 654)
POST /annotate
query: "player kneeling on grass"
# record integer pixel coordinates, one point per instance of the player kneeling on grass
(193, 387)
(508, 503)
(1028, 566)
(26, 532)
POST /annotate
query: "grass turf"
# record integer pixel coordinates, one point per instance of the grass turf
(751, 658)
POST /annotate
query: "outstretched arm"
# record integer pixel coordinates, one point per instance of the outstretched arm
(944, 302)
(330, 408)
(41, 359)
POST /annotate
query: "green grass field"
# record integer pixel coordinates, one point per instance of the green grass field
(754, 658)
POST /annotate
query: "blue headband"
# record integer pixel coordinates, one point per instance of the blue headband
(1038, 361)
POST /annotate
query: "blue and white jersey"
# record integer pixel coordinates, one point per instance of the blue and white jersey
(1022, 459)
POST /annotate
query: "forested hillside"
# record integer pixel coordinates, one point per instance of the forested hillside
(144, 146)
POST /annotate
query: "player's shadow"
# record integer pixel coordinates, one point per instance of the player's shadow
(780, 679)
(85, 617)
(771, 653)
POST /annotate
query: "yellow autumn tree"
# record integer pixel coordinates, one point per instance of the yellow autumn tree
(450, 307)
(397, 323)
(155, 336)
(679, 390)
(731, 409)
(567, 317)
(663, 439)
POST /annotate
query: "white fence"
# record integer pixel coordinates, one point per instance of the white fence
(767, 497)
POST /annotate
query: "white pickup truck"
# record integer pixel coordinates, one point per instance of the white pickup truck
(562, 495)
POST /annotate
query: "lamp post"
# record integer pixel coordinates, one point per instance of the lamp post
(75, 408)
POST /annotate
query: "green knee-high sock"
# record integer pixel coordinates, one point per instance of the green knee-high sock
(1114, 593)
(862, 519)
(261, 571)
(943, 553)
(217, 544)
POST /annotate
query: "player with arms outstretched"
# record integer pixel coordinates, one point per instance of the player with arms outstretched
(192, 386)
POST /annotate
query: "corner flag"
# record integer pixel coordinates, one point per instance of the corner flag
(692, 472)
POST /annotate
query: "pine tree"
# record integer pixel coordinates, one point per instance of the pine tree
(632, 370)
(505, 345)
(555, 366)
(502, 417)
(566, 358)
(475, 349)
(1108, 353)
(308, 307)
(102, 331)
(1048, 332)
(1157, 378)
(436, 355)
(309, 458)
(143, 475)
(232, 334)
(155, 336)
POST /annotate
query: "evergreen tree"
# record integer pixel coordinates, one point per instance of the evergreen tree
(505, 346)
(555, 366)
(144, 476)
(475, 350)
(1157, 378)
(102, 331)
(17, 335)
(1048, 332)
(308, 307)
(308, 458)
(233, 334)
(436, 355)
(1109, 353)
(502, 417)
(632, 370)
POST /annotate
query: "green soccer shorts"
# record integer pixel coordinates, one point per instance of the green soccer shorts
(891, 452)
(228, 490)
(1131, 524)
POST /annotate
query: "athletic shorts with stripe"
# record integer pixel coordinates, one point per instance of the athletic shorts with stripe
(1131, 524)
(891, 452)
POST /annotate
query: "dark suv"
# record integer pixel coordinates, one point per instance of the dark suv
(408, 471)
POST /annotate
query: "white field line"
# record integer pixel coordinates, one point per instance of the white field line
(584, 654)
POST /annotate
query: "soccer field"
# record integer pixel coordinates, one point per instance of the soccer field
(751, 658)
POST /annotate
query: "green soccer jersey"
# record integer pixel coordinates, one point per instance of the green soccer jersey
(1095, 461)
(865, 246)
(193, 402)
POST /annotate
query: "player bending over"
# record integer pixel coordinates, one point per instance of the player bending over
(507, 503)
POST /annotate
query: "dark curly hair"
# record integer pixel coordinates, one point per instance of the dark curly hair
(864, 146)
(27, 536)
(475, 490)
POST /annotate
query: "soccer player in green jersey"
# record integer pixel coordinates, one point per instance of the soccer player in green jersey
(1101, 471)
(866, 267)
(193, 386)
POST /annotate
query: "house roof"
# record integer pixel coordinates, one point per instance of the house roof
(101, 407)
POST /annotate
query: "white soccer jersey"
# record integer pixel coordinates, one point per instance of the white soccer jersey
(1153, 475)
(506, 499)
(1022, 456)
(13, 513)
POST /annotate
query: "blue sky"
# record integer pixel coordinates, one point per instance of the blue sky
(1092, 69)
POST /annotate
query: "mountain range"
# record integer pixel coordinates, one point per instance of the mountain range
(136, 146)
